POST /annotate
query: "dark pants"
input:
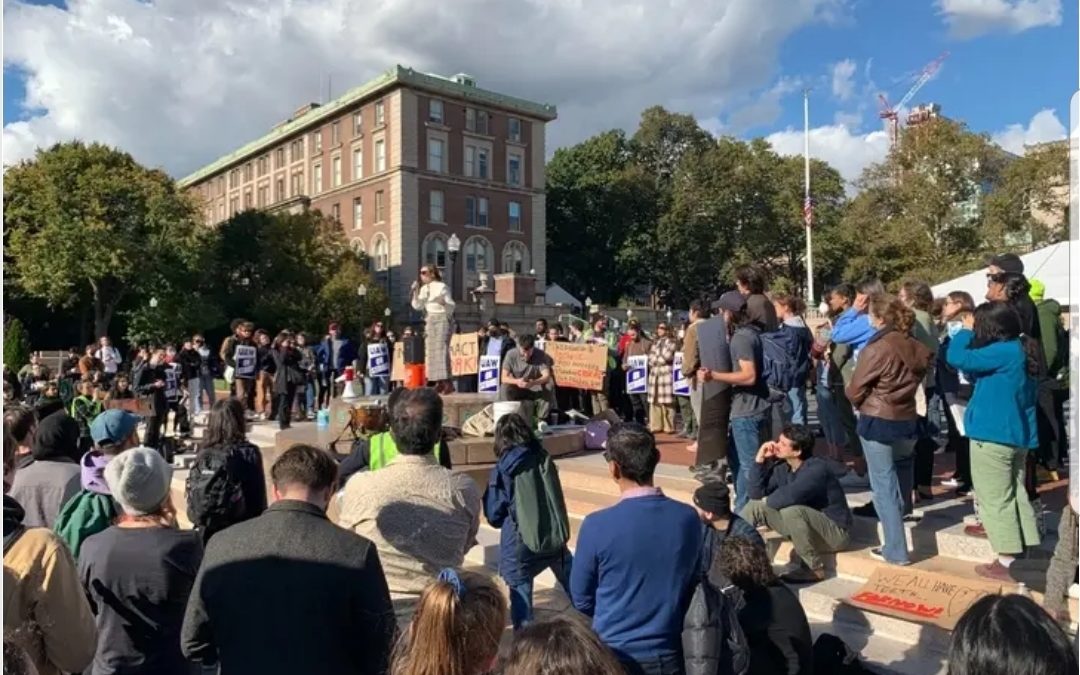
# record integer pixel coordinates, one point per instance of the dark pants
(245, 392)
(924, 461)
(327, 387)
(665, 664)
(284, 406)
(639, 408)
(1050, 417)
(152, 434)
(713, 428)
(961, 446)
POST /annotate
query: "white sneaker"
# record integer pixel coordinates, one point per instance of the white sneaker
(950, 483)
(854, 480)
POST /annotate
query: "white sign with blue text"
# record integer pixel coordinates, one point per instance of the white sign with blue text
(637, 374)
(378, 360)
(489, 374)
(680, 385)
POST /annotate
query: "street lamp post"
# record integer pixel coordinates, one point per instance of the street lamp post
(153, 303)
(453, 245)
(669, 316)
(361, 292)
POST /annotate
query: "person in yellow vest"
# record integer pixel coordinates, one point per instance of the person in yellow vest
(376, 451)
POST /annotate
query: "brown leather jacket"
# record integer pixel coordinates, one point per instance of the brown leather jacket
(887, 374)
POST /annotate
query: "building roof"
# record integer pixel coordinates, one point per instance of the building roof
(398, 75)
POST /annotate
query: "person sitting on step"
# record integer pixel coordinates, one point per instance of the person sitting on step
(798, 496)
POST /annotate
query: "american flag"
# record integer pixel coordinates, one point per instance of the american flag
(808, 211)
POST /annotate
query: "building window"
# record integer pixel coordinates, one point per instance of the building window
(263, 190)
(513, 168)
(435, 206)
(380, 211)
(476, 162)
(248, 201)
(358, 163)
(476, 211)
(234, 206)
(221, 211)
(515, 258)
(380, 156)
(248, 172)
(316, 141)
(380, 253)
(435, 250)
(380, 113)
(514, 216)
(435, 110)
(221, 185)
(476, 120)
(335, 133)
(514, 129)
(435, 154)
(279, 189)
(280, 157)
(296, 150)
(335, 212)
(316, 179)
(478, 258)
(335, 171)
(296, 184)
(357, 213)
(357, 245)
(357, 123)
(260, 166)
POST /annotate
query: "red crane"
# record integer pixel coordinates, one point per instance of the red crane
(891, 113)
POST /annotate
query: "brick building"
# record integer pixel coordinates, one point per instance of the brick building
(403, 162)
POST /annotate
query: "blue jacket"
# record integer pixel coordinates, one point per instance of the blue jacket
(1002, 409)
(517, 563)
(635, 570)
(853, 328)
(345, 356)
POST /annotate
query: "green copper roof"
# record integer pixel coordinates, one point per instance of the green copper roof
(398, 75)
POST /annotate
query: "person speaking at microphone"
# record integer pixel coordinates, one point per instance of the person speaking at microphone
(431, 295)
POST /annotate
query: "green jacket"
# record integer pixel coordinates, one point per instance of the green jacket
(83, 516)
(1049, 317)
(612, 342)
(383, 450)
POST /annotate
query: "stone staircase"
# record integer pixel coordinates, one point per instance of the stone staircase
(888, 644)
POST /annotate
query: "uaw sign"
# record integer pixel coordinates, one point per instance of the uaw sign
(680, 384)
(637, 374)
(488, 382)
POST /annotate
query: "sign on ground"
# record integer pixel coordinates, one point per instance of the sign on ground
(918, 595)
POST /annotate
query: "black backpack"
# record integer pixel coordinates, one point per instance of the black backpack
(832, 655)
(215, 498)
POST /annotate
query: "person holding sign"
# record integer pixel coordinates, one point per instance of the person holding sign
(240, 357)
(433, 297)
(377, 361)
(526, 375)
(150, 385)
(635, 363)
(661, 385)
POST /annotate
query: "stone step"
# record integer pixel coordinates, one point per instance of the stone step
(881, 654)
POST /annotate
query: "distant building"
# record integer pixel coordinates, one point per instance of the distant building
(403, 162)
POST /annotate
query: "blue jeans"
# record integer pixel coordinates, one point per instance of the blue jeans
(797, 399)
(892, 477)
(829, 417)
(309, 396)
(377, 386)
(661, 664)
(521, 594)
(748, 433)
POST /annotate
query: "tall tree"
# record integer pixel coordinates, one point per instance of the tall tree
(1030, 204)
(87, 225)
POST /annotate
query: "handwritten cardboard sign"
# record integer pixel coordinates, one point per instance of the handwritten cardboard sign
(918, 595)
(464, 354)
(578, 365)
(397, 366)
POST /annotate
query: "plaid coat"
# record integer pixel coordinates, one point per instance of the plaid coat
(661, 386)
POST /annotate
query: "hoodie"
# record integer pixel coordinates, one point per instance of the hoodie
(52, 479)
(92, 509)
(1056, 350)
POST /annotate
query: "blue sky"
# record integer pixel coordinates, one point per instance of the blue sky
(180, 82)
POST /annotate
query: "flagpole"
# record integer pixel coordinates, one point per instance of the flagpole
(808, 205)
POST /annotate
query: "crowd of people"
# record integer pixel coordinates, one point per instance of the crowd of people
(100, 578)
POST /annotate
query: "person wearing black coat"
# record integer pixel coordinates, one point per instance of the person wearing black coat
(291, 592)
(150, 386)
(288, 376)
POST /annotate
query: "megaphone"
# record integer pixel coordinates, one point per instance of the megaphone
(350, 390)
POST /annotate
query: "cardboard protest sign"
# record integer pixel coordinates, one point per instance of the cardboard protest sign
(489, 374)
(464, 354)
(578, 364)
(397, 367)
(918, 595)
(378, 360)
(681, 385)
(637, 375)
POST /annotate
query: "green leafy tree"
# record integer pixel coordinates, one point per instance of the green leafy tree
(339, 299)
(1030, 204)
(16, 344)
(85, 224)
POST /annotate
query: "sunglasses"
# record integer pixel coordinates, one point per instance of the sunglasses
(424, 273)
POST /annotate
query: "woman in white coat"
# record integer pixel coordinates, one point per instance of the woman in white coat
(433, 296)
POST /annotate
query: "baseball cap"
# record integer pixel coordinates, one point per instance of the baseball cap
(732, 301)
(1008, 262)
(113, 426)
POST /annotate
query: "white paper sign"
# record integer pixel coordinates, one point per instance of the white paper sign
(681, 385)
(378, 360)
(245, 357)
(638, 374)
(488, 375)
(172, 381)
(540, 344)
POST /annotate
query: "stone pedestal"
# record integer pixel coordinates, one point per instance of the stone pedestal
(515, 289)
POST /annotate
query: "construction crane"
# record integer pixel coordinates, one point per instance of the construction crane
(891, 113)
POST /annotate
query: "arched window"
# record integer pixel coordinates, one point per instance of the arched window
(380, 253)
(515, 258)
(435, 250)
(479, 258)
(357, 246)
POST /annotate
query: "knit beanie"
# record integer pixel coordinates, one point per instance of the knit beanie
(139, 480)
(714, 497)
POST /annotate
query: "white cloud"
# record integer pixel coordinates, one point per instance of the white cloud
(1044, 126)
(848, 152)
(843, 83)
(764, 110)
(180, 82)
(971, 18)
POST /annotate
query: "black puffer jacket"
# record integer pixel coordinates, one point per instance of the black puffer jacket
(713, 641)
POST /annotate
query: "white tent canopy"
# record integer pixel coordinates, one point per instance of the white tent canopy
(1049, 265)
(557, 295)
